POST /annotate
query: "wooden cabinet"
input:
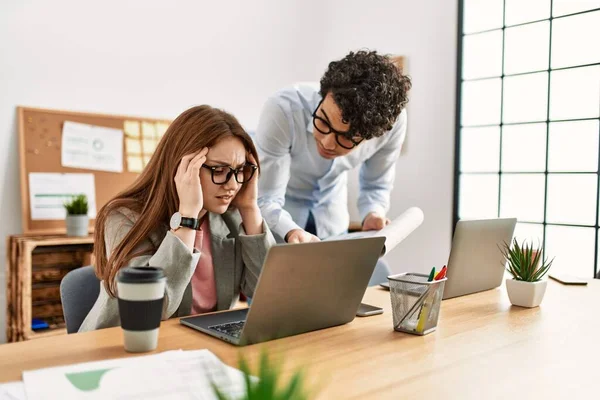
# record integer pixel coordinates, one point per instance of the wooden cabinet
(34, 268)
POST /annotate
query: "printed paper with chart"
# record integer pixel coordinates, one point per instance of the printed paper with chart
(169, 375)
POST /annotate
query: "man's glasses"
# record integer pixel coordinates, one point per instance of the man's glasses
(341, 138)
(220, 174)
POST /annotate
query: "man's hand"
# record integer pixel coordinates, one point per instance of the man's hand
(374, 222)
(300, 236)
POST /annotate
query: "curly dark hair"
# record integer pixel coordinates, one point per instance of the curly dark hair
(370, 91)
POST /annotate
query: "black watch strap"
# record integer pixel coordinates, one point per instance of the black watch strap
(191, 223)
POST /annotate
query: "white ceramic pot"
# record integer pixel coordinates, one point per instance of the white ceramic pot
(77, 225)
(526, 294)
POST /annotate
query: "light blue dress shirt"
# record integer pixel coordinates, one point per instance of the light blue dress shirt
(296, 180)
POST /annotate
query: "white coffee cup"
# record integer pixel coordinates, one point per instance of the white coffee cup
(141, 292)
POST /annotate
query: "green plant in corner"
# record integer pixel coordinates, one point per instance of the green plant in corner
(77, 206)
(523, 261)
(269, 386)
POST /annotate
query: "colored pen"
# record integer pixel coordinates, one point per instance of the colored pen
(431, 275)
(424, 315)
(429, 301)
(441, 274)
(445, 272)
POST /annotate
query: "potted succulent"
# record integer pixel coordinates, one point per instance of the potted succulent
(268, 384)
(77, 216)
(527, 266)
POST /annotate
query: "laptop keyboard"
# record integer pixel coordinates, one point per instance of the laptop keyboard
(231, 328)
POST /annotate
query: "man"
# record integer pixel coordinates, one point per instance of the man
(308, 138)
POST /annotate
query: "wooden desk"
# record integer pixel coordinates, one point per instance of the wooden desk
(484, 348)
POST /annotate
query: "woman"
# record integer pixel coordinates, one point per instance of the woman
(205, 169)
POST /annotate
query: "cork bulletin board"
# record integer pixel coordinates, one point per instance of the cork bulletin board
(40, 138)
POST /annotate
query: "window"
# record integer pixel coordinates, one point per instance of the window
(528, 123)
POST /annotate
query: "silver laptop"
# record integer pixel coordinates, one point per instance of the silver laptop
(476, 262)
(302, 288)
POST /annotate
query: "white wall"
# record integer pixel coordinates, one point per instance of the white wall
(157, 58)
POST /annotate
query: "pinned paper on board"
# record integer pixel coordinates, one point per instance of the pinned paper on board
(149, 145)
(48, 193)
(141, 144)
(148, 130)
(92, 147)
(132, 129)
(135, 163)
(161, 128)
(132, 146)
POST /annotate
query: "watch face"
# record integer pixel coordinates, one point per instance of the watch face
(175, 221)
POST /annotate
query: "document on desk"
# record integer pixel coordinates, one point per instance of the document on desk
(170, 375)
(48, 193)
(92, 147)
(12, 391)
(394, 233)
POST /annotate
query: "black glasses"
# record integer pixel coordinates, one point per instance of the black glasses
(341, 138)
(221, 174)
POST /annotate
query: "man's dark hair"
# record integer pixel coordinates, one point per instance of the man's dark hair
(370, 91)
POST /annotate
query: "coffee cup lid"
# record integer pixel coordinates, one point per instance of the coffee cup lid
(140, 274)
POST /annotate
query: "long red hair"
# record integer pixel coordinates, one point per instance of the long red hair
(154, 195)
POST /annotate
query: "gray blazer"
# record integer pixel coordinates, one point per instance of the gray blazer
(237, 259)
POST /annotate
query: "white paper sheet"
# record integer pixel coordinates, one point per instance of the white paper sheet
(394, 233)
(148, 130)
(169, 375)
(49, 191)
(161, 128)
(92, 147)
(12, 391)
(135, 164)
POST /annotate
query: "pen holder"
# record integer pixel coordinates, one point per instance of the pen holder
(415, 302)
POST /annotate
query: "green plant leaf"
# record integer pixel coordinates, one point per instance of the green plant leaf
(268, 386)
(77, 206)
(522, 260)
(218, 393)
(542, 271)
(245, 368)
(268, 378)
(294, 388)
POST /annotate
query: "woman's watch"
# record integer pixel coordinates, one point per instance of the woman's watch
(177, 221)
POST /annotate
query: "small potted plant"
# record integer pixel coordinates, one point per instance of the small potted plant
(77, 216)
(527, 266)
(268, 384)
